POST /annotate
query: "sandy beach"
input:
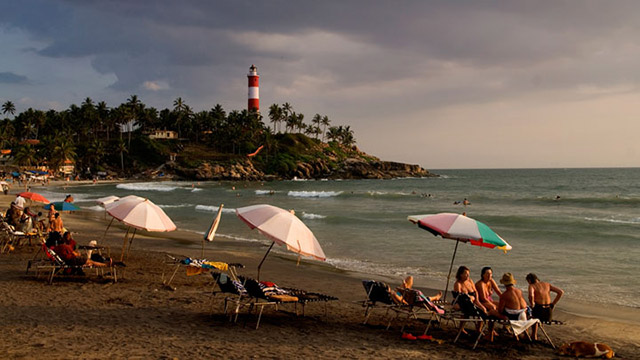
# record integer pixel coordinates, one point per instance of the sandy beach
(139, 318)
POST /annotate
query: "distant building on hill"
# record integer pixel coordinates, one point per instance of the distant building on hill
(68, 167)
(254, 89)
(163, 134)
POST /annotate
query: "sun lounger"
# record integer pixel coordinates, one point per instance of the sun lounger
(12, 238)
(57, 266)
(195, 267)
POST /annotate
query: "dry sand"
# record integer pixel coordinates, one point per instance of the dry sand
(137, 317)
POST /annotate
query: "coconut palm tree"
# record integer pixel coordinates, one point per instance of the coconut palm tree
(26, 155)
(325, 122)
(121, 148)
(8, 107)
(316, 121)
(275, 114)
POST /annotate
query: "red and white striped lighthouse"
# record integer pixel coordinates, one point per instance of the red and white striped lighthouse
(254, 91)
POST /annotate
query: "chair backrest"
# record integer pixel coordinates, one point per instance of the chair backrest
(228, 285)
(55, 258)
(377, 291)
(254, 289)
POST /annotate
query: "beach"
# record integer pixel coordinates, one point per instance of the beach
(138, 317)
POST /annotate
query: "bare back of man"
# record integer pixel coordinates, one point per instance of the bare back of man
(541, 292)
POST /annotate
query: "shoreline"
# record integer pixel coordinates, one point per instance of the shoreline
(155, 317)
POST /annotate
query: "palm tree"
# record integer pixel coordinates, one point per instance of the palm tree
(26, 155)
(122, 148)
(135, 108)
(8, 107)
(275, 114)
(64, 150)
(287, 112)
(317, 120)
(179, 108)
(334, 133)
(325, 122)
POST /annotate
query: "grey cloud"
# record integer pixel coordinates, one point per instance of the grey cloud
(11, 78)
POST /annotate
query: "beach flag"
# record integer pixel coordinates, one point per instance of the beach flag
(214, 225)
(255, 152)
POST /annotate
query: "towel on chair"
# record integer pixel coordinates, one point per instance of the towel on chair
(520, 326)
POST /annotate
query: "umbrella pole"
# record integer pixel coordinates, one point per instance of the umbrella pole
(131, 241)
(203, 248)
(108, 226)
(446, 289)
(124, 243)
(265, 256)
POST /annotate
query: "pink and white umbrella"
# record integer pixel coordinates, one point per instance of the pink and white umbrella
(139, 213)
(283, 228)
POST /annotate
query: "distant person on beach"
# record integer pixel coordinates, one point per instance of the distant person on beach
(540, 299)
(485, 288)
(19, 201)
(68, 199)
(557, 197)
(56, 225)
(465, 202)
(512, 305)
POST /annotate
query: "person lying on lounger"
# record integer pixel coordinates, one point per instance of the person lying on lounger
(398, 296)
(74, 258)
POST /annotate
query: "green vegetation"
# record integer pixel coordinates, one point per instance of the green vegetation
(99, 138)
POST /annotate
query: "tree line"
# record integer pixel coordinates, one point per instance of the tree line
(96, 136)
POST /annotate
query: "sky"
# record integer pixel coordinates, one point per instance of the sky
(443, 84)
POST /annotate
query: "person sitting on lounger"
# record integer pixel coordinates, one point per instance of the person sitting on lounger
(512, 305)
(540, 300)
(485, 288)
(464, 288)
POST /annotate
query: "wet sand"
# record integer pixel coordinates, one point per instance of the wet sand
(89, 318)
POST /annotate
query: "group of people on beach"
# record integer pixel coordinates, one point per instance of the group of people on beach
(476, 299)
(58, 238)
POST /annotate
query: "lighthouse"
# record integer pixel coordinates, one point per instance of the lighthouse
(254, 92)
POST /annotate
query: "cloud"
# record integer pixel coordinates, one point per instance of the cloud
(11, 78)
(155, 85)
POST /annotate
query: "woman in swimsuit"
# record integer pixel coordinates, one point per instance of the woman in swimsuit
(464, 285)
(486, 286)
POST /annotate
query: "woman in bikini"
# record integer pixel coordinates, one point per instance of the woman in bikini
(464, 285)
(485, 287)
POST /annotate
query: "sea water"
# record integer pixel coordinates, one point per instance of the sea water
(576, 228)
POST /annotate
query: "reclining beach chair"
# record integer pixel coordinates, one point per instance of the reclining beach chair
(57, 266)
(232, 285)
(12, 238)
(263, 295)
(196, 267)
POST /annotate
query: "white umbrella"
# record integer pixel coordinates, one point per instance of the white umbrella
(284, 228)
(139, 213)
(211, 233)
(104, 201)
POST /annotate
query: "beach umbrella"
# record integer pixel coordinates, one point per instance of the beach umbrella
(211, 233)
(282, 227)
(34, 197)
(107, 200)
(462, 229)
(139, 213)
(62, 206)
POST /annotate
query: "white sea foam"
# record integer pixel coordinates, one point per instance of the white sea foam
(94, 208)
(175, 206)
(196, 189)
(615, 221)
(318, 194)
(146, 186)
(265, 192)
(309, 216)
(213, 208)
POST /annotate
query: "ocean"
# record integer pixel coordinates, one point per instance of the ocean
(576, 228)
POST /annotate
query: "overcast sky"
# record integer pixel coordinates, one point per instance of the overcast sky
(442, 84)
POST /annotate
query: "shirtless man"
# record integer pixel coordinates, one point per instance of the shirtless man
(512, 305)
(540, 300)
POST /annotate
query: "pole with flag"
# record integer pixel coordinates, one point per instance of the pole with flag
(211, 233)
